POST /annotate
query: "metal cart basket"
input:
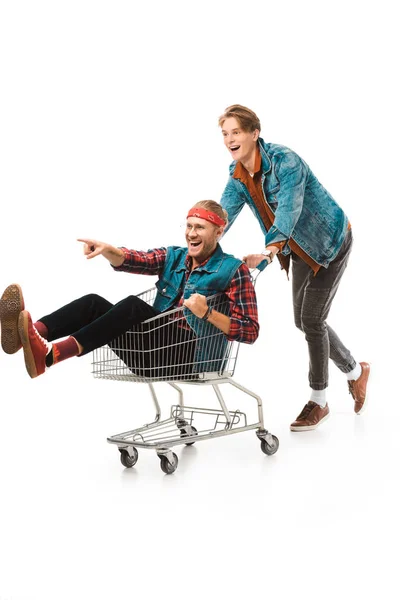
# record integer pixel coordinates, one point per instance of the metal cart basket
(166, 349)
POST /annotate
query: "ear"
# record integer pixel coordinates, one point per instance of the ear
(256, 134)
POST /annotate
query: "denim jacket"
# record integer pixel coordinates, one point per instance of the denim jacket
(304, 210)
(209, 279)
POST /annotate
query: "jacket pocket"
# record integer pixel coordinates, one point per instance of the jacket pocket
(166, 289)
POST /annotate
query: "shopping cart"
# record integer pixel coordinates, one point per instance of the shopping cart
(165, 349)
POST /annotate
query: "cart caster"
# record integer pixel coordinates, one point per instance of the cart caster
(192, 431)
(169, 467)
(270, 448)
(129, 459)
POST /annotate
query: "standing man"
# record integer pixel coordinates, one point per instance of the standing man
(302, 222)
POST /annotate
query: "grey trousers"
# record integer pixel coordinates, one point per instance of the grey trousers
(312, 299)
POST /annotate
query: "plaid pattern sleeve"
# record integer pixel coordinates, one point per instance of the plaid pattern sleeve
(244, 316)
(143, 263)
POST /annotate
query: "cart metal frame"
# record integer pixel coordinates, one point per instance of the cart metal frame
(162, 435)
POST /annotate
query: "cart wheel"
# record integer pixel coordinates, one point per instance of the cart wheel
(268, 448)
(184, 434)
(127, 460)
(166, 466)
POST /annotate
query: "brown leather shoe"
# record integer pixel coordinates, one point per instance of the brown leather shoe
(358, 388)
(310, 417)
(11, 304)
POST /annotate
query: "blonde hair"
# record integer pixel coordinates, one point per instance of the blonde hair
(246, 118)
(213, 207)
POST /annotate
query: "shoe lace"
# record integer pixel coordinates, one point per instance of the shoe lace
(42, 340)
(351, 388)
(306, 411)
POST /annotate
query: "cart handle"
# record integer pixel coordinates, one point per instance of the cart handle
(179, 308)
(259, 268)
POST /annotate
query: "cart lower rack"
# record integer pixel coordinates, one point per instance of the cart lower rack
(167, 349)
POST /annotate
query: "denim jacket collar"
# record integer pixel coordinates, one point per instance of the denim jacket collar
(265, 160)
(212, 265)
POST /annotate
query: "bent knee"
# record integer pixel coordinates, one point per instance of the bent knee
(298, 323)
(96, 301)
(313, 325)
(95, 298)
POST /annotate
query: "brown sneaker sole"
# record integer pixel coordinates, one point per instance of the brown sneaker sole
(366, 393)
(309, 427)
(11, 304)
(360, 412)
(28, 354)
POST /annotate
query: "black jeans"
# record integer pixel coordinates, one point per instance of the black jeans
(312, 300)
(94, 322)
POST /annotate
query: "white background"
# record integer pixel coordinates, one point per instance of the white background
(108, 128)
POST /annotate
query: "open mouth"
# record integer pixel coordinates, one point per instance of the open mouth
(234, 148)
(194, 244)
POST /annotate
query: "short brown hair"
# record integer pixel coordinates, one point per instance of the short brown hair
(247, 119)
(213, 207)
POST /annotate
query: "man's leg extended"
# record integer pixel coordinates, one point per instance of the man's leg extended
(98, 322)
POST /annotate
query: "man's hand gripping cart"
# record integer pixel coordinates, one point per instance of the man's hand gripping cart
(165, 349)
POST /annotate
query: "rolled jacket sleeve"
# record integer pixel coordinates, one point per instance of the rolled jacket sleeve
(275, 237)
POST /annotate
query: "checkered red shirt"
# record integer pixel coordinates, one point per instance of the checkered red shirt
(244, 326)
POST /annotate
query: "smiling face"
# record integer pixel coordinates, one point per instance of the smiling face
(240, 143)
(202, 238)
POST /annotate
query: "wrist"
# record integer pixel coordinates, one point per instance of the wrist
(269, 255)
(115, 256)
(206, 314)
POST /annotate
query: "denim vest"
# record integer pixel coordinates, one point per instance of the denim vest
(209, 279)
(304, 210)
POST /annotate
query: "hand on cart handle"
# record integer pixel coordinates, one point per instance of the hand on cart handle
(197, 304)
(93, 248)
(260, 261)
(253, 260)
(257, 261)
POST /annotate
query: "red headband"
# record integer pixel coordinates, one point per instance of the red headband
(208, 215)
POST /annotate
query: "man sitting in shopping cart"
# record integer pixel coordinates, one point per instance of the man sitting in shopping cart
(212, 291)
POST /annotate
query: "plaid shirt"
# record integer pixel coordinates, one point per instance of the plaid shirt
(244, 326)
